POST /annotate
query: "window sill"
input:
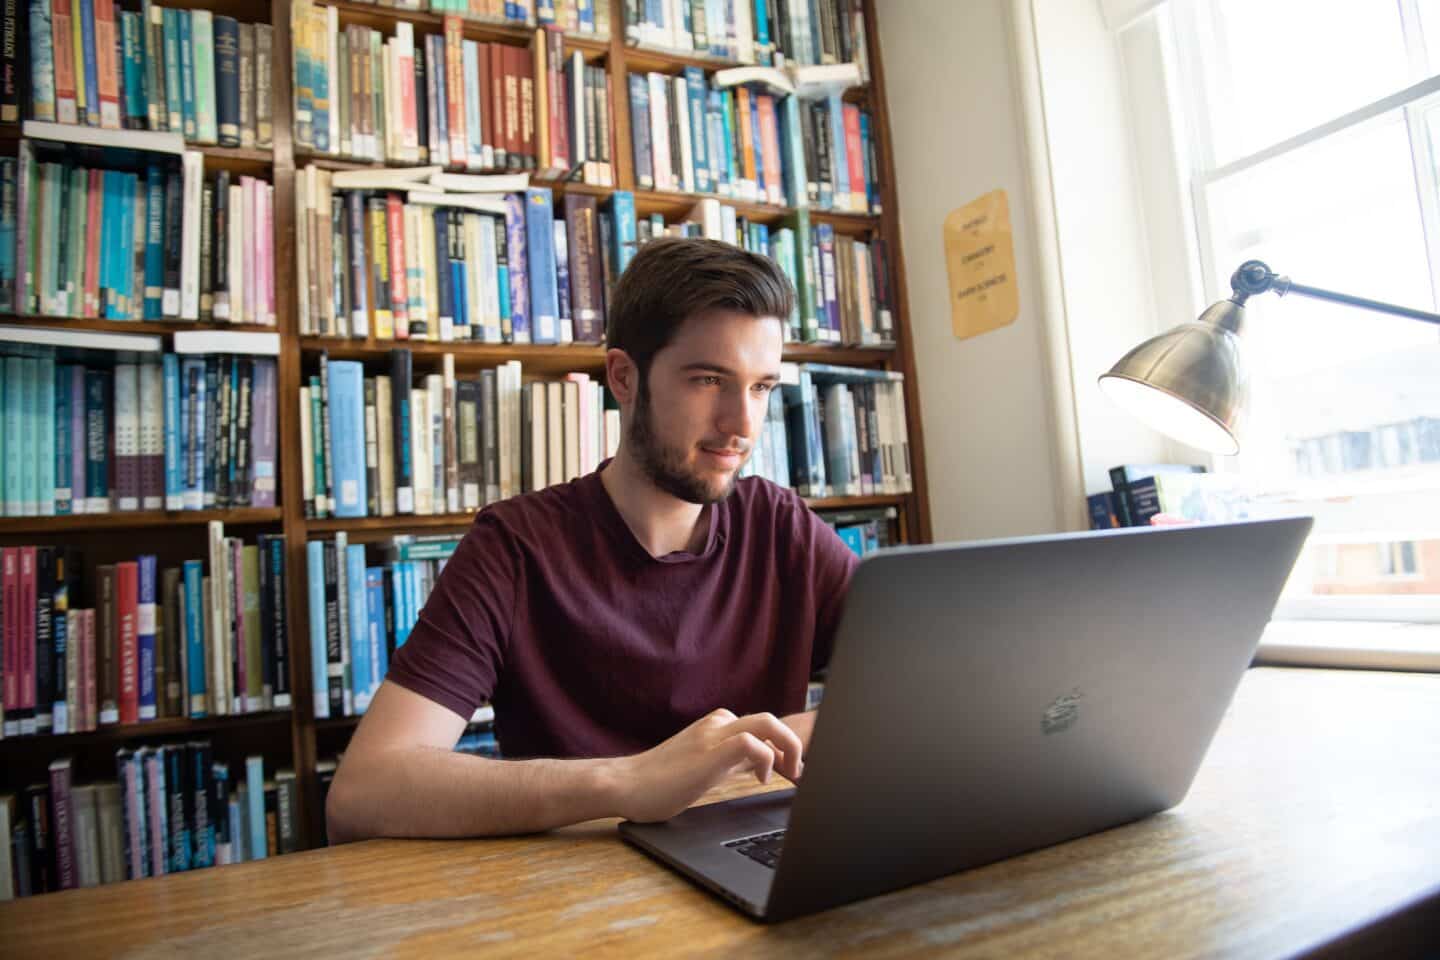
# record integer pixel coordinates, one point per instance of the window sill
(1351, 644)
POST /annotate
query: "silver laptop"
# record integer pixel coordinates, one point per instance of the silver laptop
(992, 698)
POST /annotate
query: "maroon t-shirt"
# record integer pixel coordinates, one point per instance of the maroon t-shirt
(589, 647)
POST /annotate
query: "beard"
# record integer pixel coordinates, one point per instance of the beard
(666, 466)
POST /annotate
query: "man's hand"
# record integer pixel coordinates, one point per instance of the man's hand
(663, 781)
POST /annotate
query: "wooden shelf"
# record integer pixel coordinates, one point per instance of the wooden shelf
(136, 519)
(857, 503)
(505, 31)
(166, 727)
(253, 162)
(400, 523)
(648, 59)
(128, 326)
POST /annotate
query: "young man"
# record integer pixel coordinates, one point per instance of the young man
(637, 630)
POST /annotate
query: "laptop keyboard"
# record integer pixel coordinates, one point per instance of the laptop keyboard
(763, 849)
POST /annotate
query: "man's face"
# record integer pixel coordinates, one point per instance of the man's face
(698, 414)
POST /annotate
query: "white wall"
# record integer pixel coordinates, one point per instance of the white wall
(986, 402)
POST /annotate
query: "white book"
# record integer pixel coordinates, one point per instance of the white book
(818, 81)
(504, 427)
(304, 185)
(535, 447)
(489, 276)
(707, 214)
(474, 275)
(687, 153)
(660, 132)
(415, 272)
(110, 826)
(391, 95)
(152, 429)
(247, 275)
(679, 38)
(172, 143)
(450, 439)
(236, 216)
(394, 179)
(127, 428)
(554, 432)
(478, 202)
(332, 44)
(420, 451)
(191, 171)
(570, 392)
(55, 337)
(744, 34)
(476, 183)
(435, 407)
(385, 446)
(260, 343)
(216, 589)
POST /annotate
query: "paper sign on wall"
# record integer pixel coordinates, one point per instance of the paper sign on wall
(980, 260)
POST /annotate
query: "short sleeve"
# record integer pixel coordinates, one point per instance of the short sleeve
(455, 652)
(826, 566)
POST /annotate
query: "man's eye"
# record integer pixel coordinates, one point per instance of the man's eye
(764, 387)
(708, 381)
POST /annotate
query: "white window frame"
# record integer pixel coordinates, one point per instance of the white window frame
(1176, 164)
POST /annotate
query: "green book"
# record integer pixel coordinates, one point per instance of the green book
(153, 35)
(29, 436)
(202, 43)
(174, 109)
(77, 198)
(14, 405)
(187, 74)
(804, 278)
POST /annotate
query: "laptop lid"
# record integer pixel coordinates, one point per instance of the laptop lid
(992, 698)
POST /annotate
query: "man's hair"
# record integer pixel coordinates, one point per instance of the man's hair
(673, 278)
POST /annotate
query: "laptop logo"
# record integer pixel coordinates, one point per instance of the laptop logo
(1062, 714)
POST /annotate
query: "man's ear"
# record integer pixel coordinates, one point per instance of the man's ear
(622, 377)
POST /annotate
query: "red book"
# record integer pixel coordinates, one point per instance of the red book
(10, 585)
(399, 296)
(25, 601)
(127, 600)
(855, 158)
(492, 77)
(525, 77)
(455, 90)
(559, 109)
(62, 829)
(409, 134)
(106, 69)
(94, 206)
(63, 48)
(510, 81)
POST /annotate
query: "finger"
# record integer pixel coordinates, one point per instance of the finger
(767, 726)
(748, 748)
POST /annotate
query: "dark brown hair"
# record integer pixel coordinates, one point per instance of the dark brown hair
(674, 278)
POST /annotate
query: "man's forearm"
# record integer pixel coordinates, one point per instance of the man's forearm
(433, 792)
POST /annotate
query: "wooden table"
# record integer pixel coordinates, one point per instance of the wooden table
(1316, 818)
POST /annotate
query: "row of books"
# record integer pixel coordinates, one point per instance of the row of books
(1146, 494)
(752, 31)
(446, 100)
(151, 432)
(588, 17)
(736, 134)
(196, 640)
(863, 531)
(164, 241)
(444, 265)
(396, 443)
(836, 432)
(172, 808)
(201, 74)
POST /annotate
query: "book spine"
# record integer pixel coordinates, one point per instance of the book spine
(357, 629)
(227, 81)
(264, 102)
(263, 436)
(145, 637)
(315, 607)
(202, 38)
(43, 64)
(347, 432)
(62, 833)
(516, 253)
(127, 640)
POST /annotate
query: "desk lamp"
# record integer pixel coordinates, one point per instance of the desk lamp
(1190, 383)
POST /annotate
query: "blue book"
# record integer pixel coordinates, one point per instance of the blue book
(137, 109)
(197, 758)
(375, 620)
(358, 632)
(695, 88)
(444, 281)
(622, 229)
(825, 243)
(854, 538)
(586, 11)
(45, 436)
(540, 255)
(762, 30)
(42, 62)
(109, 227)
(92, 86)
(640, 130)
(194, 638)
(502, 275)
(347, 436)
(174, 474)
(255, 797)
(206, 461)
(129, 299)
(315, 607)
(174, 105)
(872, 196)
(9, 188)
(145, 634)
(227, 80)
(176, 775)
(715, 137)
(188, 115)
(64, 443)
(192, 432)
(792, 148)
(154, 241)
(757, 149)
(435, 73)
(399, 599)
(29, 442)
(515, 207)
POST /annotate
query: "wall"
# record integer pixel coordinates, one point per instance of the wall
(986, 402)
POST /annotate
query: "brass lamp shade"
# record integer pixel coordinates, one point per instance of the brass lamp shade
(1188, 382)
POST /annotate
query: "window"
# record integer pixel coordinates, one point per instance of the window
(1308, 136)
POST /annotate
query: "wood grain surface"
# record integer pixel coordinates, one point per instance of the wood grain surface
(1315, 815)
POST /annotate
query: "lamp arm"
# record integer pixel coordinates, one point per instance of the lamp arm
(1254, 277)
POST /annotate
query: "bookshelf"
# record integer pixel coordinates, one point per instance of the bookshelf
(294, 737)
